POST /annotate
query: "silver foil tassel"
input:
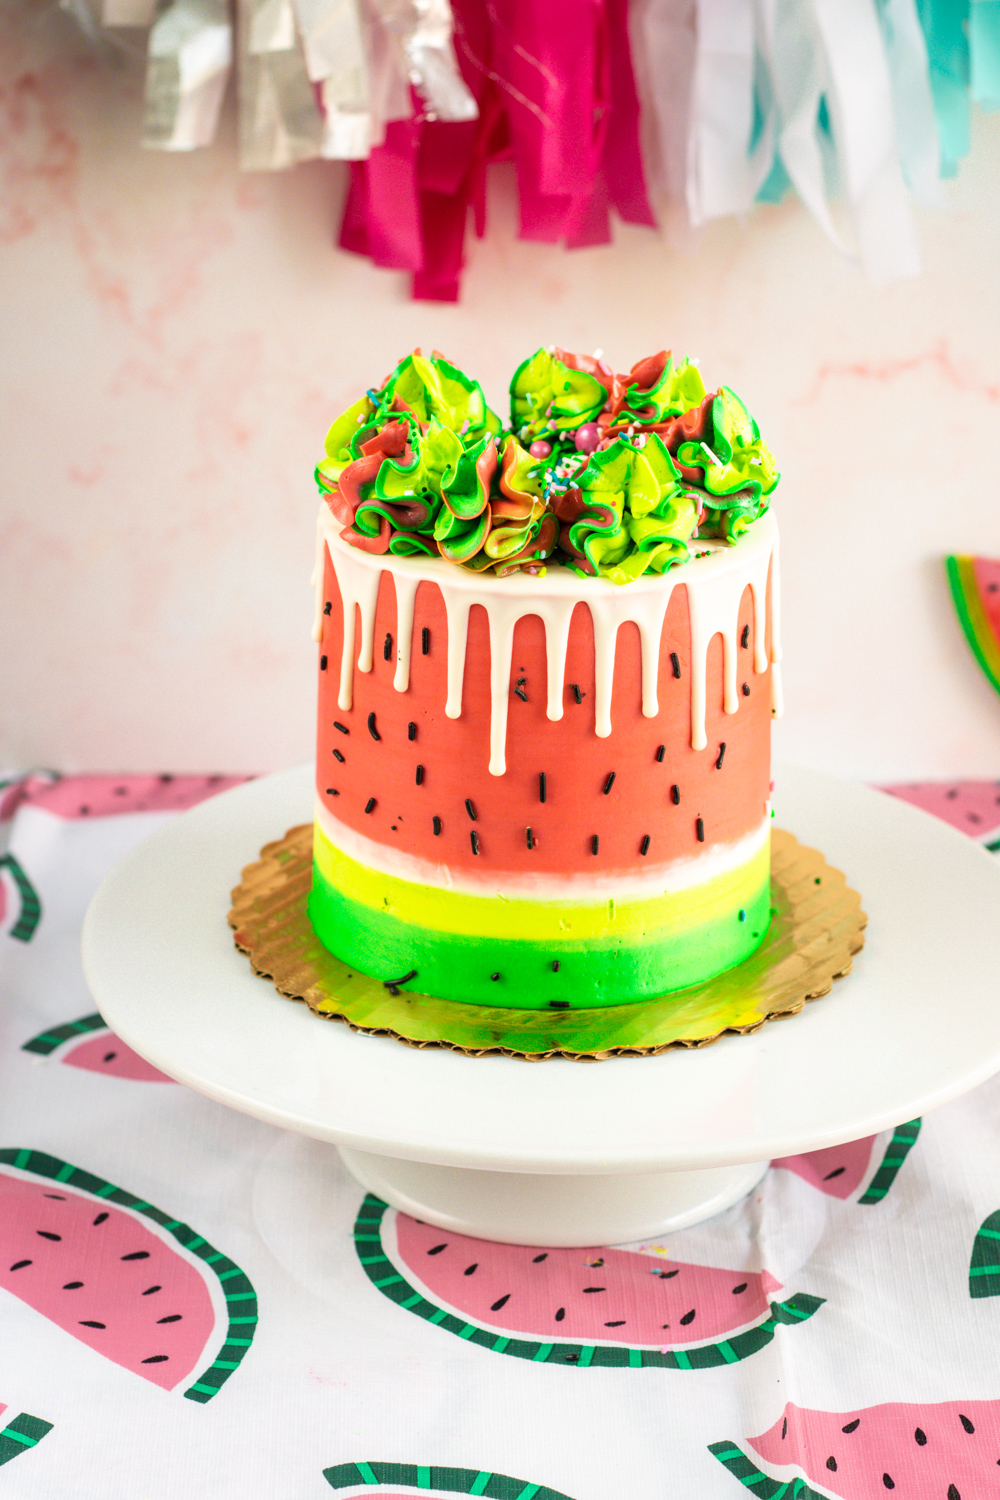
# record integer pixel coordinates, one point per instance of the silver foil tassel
(280, 118)
(333, 40)
(190, 54)
(422, 30)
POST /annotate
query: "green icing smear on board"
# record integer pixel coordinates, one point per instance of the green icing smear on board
(610, 475)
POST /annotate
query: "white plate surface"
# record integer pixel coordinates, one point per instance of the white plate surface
(916, 1024)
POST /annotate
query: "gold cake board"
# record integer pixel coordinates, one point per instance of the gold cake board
(816, 928)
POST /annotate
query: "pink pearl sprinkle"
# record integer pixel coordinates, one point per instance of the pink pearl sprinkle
(587, 437)
(540, 448)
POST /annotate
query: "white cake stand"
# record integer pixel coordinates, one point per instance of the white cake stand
(561, 1152)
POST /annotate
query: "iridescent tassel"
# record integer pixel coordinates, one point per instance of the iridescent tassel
(190, 54)
(421, 30)
(280, 119)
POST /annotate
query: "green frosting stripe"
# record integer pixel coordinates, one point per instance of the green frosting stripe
(615, 970)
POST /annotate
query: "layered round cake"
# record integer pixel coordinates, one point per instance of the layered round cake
(547, 675)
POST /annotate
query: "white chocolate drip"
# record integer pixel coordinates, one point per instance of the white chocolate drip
(714, 583)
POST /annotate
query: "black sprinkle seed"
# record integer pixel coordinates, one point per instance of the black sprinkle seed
(494, 977)
(575, 686)
(411, 730)
(746, 690)
(529, 838)
(342, 727)
(327, 607)
(595, 843)
(420, 775)
(644, 846)
(520, 693)
(370, 804)
(609, 783)
(371, 726)
(745, 637)
(425, 641)
(387, 648)
(404, 980)
(436, 1249)
(675, 663)
(331, 791)
(470, 809)
(541, 786)
(559, 1005)
(338, 756)
(555, 966)
(474, 840)
(436, 823)
(322, 663)
(675, 794)
(661, 752)
(699, 828)
(722, 751)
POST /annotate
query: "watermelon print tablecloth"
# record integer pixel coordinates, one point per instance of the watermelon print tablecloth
(195, 1304)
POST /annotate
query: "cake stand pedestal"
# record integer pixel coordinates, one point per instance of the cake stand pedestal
(562, 1152)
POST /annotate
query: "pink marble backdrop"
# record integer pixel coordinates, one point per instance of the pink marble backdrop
(177, 337)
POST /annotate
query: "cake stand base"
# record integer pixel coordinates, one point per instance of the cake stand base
(527, 1208)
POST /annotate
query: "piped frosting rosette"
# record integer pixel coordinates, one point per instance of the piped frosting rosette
(611, 475)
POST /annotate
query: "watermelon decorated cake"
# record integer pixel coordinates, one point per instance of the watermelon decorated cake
(546, 679)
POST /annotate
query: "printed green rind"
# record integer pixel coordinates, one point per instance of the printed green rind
(756, 1481)
(434, 1477)
(31, 907)
(972, 616)
(984, 1269)
(384, 1276)
(47, 1041)
(22, 1433)
(904, 1138)
(237, 1289)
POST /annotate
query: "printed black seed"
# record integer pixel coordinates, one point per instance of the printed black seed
(404, 980)
(109, 1057)
(369, 805)
(541, 786)
(953, 1493)
(500, 1302)
(746, 690)
(136, 1255)
(619, 1324)
(411, 731)
(342, 727)
(687, 1318)
(471, 1270)
(91, 1323)
(575, 686)
(661, 752)
(338, 755)
(46, 1234)
(888, 1481)
(675, 794)
(966, 1423)
(437, 1249)
(371, 727)
(594, 1289)
(745, 637)
(741, 1288)
(474, 841)
(70, 1286)
(529, 838)
(555, 966)
(559, 1005)
(322, 663)
(644, 846)
(425, 641)
(327, 607)
(560, 1314)
(668, 1275)
(470, 809)
(610, 782)
(387, 648)
(837, 1172)
(170, 1318)
(919, 1434)
(831, 1464)
(19, 1265)
(675, 663)
(420, 775)
(59, 1197)
(699, 828)
(595, 843)
(155, 1359)
(436, 823)
(494, 977)
(722, 751)
(151, 1289)
(537, 1258)
(784, 1428)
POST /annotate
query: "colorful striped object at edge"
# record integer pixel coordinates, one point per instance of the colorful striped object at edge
(980, 631)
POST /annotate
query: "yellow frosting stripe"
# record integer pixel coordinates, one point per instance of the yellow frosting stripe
(560, 921)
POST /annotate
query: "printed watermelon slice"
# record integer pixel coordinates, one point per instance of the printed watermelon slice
(947, 1451)
(975, 589)
(29, 907)
(77, 1249)
(839, 1171)
(103, 796)
(20, 1434)
(88, 1044)
(605, 1307)
(984, 1271)
(971, 806)
(358, 1479)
